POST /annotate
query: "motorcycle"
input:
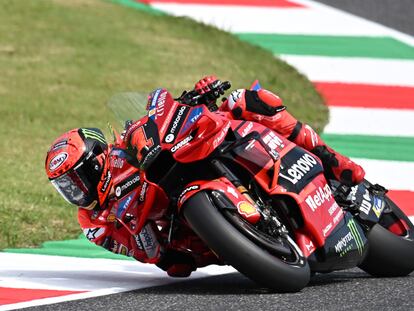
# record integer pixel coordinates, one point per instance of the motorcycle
(258, 201)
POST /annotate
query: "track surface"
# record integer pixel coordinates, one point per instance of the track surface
(352, 289)
(346, 290)
(395, 14)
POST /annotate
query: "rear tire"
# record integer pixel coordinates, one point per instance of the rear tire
(240, 252)
(390, 255)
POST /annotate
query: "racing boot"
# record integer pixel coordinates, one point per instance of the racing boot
(267, 108)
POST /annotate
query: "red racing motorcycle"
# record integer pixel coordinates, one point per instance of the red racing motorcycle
(257, 200)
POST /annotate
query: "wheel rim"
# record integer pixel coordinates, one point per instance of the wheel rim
(284, 248)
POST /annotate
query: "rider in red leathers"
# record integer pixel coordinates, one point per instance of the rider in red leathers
(80, 166)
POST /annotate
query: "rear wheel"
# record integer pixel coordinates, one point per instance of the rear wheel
(275, 262)
(390, 244)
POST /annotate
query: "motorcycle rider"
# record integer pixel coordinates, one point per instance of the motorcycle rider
(78, 166)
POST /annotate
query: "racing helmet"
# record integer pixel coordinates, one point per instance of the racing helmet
(76, 166)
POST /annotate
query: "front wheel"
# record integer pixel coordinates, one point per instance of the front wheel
(243, 253)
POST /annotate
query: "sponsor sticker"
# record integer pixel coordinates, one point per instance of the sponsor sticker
(300, 168)
(176, 124)
(57, 161)
(186, 190)
(366, 203)
(59, 144)
(246, 209)
(321, 195)
(194, 115)
(219, 139)
(107, 179)
(273, 141)
(143, 191)
(127, 185)
(93, 233)
(343, 246)
(378, 206)
(182, 143)
(123, 205)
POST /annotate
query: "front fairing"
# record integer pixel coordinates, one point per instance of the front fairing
(135, 198)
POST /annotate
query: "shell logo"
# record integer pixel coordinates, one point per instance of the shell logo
(57, 161)
(248, 211)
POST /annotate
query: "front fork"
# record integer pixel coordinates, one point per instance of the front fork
(222, 170)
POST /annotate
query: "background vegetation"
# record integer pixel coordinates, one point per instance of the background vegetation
(60, 60)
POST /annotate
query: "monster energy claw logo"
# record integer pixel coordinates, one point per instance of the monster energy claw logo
(357, 237)
(93, 134)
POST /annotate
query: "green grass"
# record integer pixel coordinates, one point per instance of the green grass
(61, 60)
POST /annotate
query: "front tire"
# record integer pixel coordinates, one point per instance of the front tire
(240, 252)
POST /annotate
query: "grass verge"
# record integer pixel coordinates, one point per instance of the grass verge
(60, 60)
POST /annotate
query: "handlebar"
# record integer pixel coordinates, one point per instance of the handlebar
(193, 98)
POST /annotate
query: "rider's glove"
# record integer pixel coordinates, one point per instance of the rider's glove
(203, 86)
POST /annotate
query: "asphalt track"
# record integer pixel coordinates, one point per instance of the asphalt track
(397, 14)
(343, 290)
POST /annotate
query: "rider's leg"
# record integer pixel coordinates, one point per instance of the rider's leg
(267, 108)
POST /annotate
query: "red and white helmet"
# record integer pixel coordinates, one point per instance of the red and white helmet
(76, 166)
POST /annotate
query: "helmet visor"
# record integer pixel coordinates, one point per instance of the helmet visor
(75, 187)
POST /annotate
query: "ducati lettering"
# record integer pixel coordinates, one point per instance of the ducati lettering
(366, 203)
(176, 124)
(316, 200)
(127, 185)
(298, 170)
(182, 143)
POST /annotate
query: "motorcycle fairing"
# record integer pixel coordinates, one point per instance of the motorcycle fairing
(245, 208)
(135, 195)
(296, 173)
(347, 241)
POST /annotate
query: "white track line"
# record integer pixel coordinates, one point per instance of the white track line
(395, 175)
(408, 39)
(98, 276)
(317, 19)
(354, 70)
(370, 121)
